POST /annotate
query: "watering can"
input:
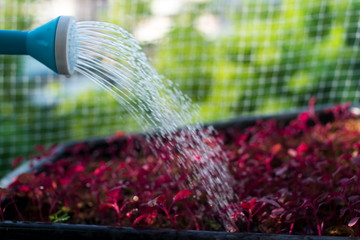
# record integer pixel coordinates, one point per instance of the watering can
(54, 44)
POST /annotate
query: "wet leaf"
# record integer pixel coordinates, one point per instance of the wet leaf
(276, 149)
(161, 199)
(16, 162)
(278, 211)
(182, 195)
(302, 148)
(356, 160)
(26, 178)
(149, 218)
(113, 194)
(353, 221)
(270, 201)
(157, 201)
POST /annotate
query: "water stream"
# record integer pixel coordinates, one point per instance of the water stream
(113, 59)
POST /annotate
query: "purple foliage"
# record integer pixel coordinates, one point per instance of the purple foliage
(297, 179)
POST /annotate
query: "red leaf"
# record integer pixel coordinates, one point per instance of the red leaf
(161, 199)
(245, 205)
(119, 133)
(113, 194)
(356, 160)
(302, 148)
(26, 178)
(4, 192)
(253, 203)
(138, 219)
(106, 205)
(277, 211)
(242, 139)
(249, 205)
(162, 180)
(353, 221)
(281, 170)
(343, 211)
(149, 218)
(303, 117)
(157, 201)
(269, 201)
(131, 212)
(235, 214)
(100, 170)
(64, 181)
(276, 149)
(79, 168)
(16, 162)
(311, 105)
(292, 152)
(182, 195)
(40, 148)
(23, 188)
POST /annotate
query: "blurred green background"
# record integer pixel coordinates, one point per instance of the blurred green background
(231, 57)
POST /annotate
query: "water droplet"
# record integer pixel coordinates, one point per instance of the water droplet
(135, 198)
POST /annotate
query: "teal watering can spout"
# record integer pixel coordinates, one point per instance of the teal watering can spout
(54, 44)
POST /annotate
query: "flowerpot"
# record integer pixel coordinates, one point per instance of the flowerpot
(107, 148)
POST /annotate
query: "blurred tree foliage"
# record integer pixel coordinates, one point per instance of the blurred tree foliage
(269, 56)
(127, 14)
(15, 15)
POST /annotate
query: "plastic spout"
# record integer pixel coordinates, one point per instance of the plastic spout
(49, 44)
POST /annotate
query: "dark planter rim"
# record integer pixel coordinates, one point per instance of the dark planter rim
(55, 231)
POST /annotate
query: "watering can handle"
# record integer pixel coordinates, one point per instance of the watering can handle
(13, 42)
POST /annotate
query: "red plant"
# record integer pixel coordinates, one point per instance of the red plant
(302, 178)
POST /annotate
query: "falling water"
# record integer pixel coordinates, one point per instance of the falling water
(112, 58)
